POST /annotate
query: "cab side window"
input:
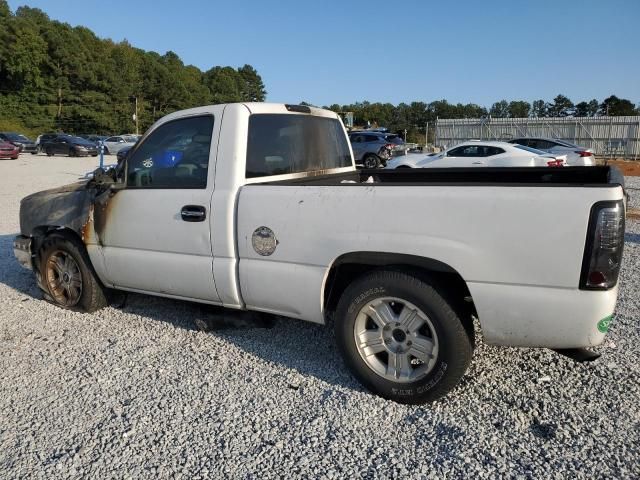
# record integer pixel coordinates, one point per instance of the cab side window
(175, 155)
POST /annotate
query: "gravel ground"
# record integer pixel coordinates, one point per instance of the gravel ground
(633, 187)
(140, 392)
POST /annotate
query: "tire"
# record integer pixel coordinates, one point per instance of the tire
(34, 153)
(49, 152)
(105, 150)
(435, 334)
(371, 161)
(72, 152)
(73, 285)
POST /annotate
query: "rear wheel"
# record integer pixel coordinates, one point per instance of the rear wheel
(401, 338)
(105, 150)
(49, 152)
(68, 278)
(371, 161)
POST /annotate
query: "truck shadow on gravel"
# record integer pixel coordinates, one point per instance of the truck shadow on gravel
(304, 347)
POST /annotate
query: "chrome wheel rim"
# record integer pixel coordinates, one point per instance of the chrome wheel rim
(64, 278)
(396, 339)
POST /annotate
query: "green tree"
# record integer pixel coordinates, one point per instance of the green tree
(500, 109)
(615, 107)
(587, 109)
(251, 86)
(539, 108)
(519, 109)
(561, 107)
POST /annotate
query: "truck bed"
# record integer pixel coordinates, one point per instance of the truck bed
(512, 235)
(531, 176)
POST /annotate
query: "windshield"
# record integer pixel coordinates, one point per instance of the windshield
(130, 138)
(532, 150)
(16, 137)
(562, 143)
(280, 144)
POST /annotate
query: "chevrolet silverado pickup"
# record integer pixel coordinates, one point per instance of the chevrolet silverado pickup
(259, 207)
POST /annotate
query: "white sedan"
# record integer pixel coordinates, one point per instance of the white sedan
(113, 145)
(480, 154)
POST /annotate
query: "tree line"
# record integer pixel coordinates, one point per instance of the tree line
(55, 77)
(415, 116)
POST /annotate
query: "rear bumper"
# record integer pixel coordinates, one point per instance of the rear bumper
(531, 316)
(22, 251)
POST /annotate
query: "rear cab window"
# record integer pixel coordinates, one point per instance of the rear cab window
(280, 144)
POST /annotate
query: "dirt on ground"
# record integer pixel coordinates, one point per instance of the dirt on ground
(629, 168)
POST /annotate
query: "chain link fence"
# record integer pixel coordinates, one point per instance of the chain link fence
(607, 137)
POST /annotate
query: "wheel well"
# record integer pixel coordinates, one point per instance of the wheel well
(347, 268)
(40, 234)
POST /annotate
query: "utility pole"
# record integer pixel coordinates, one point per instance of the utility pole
(137, 131)
(135, 115)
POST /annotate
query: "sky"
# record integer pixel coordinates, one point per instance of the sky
(331, 51)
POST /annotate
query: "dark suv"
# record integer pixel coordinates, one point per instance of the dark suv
(373, 149)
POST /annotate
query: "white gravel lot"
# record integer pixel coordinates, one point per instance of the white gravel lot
(140, 392)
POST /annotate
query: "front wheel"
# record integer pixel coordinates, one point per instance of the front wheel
(68, 279)
(400, 337)
(49, 152)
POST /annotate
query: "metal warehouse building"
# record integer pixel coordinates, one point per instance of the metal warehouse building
(608, 137)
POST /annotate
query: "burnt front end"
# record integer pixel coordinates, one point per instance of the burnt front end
(61, 208)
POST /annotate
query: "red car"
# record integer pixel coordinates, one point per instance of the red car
(8, 150)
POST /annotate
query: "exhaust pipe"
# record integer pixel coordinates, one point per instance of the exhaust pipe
(578, 354)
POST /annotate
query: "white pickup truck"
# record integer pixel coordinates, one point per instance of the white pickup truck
(259, 207)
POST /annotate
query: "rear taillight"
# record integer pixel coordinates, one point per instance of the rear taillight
(603, 252)
(555, 163)
(583, 153)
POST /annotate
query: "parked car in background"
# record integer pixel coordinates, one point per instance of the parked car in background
(97, 139)
(372, 148)
(23, 143)
(44, 138)
(8, 150)
(69, 145)
(576, 156)
(113, 145)
(480, 154)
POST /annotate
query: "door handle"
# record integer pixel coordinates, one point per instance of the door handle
(193, 213)
(477, 163)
